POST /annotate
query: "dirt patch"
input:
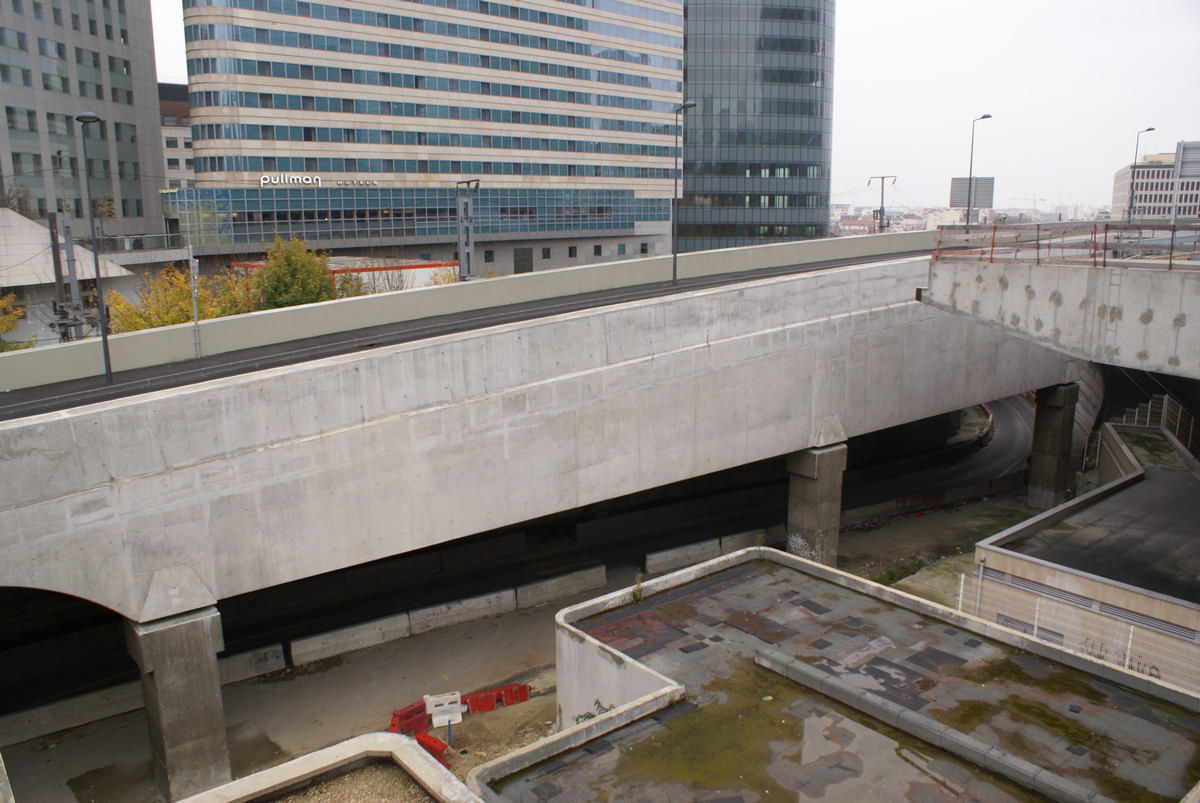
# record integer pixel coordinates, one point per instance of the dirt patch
(880, 550)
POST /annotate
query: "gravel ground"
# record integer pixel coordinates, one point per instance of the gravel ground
(374, 783)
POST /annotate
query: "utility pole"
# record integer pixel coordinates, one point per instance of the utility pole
(880, 214)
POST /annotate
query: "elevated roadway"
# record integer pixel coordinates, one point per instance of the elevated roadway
(158, 505)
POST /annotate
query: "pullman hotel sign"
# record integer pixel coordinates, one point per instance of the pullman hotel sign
(291, 179)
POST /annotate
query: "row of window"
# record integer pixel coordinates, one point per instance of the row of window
(789, 139)
(363, 47)
(711, 233)
(757, 201)
(18, 119)
(444, 139)
(76, 23)
(1160, 186)
(438, 83)
(356, 16)
(172, 143)
(62, 85)
(266, 100)
(173, 164)
(755, 170)
(270, 164)
(489, 255)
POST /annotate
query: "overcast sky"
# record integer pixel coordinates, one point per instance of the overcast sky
(1068, 84)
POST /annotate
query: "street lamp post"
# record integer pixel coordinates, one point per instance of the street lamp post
(1132, 168)
(683, 107)
(971, 171)
(102, 315)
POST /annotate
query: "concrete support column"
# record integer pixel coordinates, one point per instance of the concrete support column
(815, 503)
(1050, 471)
(177, 656)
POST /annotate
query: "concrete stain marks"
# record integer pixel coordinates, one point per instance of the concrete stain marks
(1180, 321)
(1056, 298)
(127, 781)
(1003, 282)
(1030, 293)
(251, 750)
(1146, 317)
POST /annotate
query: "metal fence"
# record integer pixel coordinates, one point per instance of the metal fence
(1099, 244)
(1166, 413)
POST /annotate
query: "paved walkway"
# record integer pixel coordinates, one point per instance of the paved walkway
(271, 719)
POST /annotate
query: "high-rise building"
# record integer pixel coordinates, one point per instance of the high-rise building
(1160, 188)
(757, 143)
(354, 124)
(63, 58)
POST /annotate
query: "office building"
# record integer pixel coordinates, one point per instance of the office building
(757, 144)
(176, 117)
(353, 125)
(1161, 191)
(61, 58)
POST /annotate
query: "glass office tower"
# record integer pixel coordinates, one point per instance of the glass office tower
(756, 149)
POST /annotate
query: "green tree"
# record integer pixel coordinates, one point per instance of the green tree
(10, 316)
(294, 275)
(163, 300)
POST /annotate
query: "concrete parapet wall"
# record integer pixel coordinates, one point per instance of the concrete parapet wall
(252, 664)
(1142, 318)
(670, 559)
(348, 639)
(41, 366)
(463, 610)
(158, 503)
(531, 595)
(435, 779)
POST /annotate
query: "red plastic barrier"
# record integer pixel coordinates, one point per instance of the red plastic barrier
(434, 746)
(410, 719)
(487, 699)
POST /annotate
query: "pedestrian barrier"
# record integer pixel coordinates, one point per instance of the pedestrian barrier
(413, 719)
(434, 746)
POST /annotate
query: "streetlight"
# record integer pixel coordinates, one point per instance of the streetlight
(971, 171)
(1132, 168)
(682, 107)
(84, 119)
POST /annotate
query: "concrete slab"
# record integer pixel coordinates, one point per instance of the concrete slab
(1005, 702)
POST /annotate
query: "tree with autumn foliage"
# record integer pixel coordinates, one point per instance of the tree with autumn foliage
(10, 316)
(162, 301)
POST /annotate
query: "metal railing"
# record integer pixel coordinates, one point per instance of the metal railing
(1166, 413)
(1098, 244)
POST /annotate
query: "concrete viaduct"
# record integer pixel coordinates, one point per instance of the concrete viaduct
(158, 506)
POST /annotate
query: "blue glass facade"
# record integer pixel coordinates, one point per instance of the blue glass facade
(756, 152)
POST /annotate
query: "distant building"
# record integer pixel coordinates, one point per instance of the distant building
(58, 60)
(354, 126)
(1157, 194)
(177, 135)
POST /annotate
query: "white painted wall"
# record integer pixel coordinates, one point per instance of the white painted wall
(163, 502)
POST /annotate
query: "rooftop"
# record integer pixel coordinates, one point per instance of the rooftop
(746, 733)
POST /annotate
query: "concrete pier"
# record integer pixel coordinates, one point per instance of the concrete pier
(815, 502)
(177, 656)
(1050, 471)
